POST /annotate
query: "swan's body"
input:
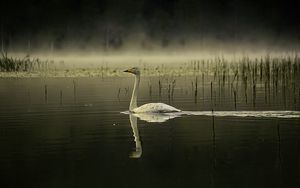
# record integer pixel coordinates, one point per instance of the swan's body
(155, 108)
(146, 108)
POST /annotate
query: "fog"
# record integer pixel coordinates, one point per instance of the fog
(137, 42)
(149, 26)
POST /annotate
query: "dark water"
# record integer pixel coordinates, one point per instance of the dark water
(70, 133)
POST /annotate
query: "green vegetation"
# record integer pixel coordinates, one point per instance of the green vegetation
(26, 64)
(241, 80)
(249, 72)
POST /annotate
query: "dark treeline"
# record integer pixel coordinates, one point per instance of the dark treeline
(58, 24)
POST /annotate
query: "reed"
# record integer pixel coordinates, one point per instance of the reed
(150, 89)
(61, 97)
(26, 64)
(159, 87)
(234, 94)
(169, 92)
(126, 90)
(211, 95)
(46, 93)
(119, 92)
(74, 90)
(173, 88)
(196, 89)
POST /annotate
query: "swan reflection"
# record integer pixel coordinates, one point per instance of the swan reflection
(149, 117)
(138, 146)
(156, 117)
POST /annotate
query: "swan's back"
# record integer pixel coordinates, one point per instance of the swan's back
(155, 108)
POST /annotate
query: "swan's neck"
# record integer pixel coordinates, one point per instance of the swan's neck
(133, 102)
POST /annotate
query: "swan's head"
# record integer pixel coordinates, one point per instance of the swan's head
(134, 70)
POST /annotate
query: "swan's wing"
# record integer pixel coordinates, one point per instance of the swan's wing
(155, 108)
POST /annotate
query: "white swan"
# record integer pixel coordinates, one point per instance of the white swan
(146, 108)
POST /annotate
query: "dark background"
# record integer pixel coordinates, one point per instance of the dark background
(113, 24)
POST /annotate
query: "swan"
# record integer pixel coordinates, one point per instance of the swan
(146, 108)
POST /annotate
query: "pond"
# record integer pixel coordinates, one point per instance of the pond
(75, 132)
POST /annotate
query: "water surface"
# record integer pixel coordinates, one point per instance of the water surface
(65, 132)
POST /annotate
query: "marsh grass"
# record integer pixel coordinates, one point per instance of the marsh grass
(245, 77)
(26, 64)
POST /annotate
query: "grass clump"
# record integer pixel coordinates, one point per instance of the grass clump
(26, 64)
